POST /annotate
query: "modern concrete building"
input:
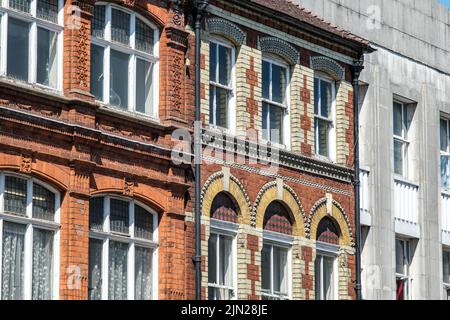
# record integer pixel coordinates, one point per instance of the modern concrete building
(404, 143)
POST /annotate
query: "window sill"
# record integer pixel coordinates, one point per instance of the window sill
(324, 159)
(404, 180)
(129, 115)
(35, 87)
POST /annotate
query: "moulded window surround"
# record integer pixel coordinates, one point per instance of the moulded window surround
(222, 261)
(29, 238)
(276, 269)
(31, 42)
(325, 116)
(124, 60)
(445, 152)
(275, 101)
(402, 266)
(123, 250)
(400, 135)
(222, 81)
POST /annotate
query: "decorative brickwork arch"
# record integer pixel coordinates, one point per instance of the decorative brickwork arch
(328, 66)
(227, 30)
(280, 48)
(270, 193)
(338, 216)
(215, 185)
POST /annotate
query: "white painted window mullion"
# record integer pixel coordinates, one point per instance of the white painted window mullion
(32, 52)
(1, 250)
(105, 269)
(28, 262)
(130, 271)
(29, 208)
(4, 42)
(2, 191)
(132, 83)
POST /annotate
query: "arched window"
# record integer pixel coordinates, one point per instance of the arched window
(122, 250)
(29, 247)
(222, 248)
(124, 59)
(276, 252)
(31, 41)
(222, 84)
(326, 271)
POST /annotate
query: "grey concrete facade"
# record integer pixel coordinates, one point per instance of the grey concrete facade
(412, 65)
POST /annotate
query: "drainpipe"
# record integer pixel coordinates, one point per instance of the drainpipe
(199, 11)
(358, 66)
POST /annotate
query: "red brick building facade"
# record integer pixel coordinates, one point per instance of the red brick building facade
(92, 205)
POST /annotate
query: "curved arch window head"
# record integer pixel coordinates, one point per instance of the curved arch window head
(29, 235)
(275, 81)
(124, 62)
(122, 250)
(32, 38)
(224, 208)
(328, 231)
(277, 219)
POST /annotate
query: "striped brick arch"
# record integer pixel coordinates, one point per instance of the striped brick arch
(224, 208)
(328, 231)
(277, 219)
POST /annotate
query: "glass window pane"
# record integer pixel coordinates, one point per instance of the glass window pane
(144, 37)
(398, 119)
(97, 54)
(224, 65)
(119, 216)
(47, 10)
(17, 65)
(325, 99)
(15, 196)
(266, 267)
(42, 264)
(322, 135)
(400, 257)
(317, 277)
(117, 280)
(47, 58)
(266, 79)
(43, 203)
(280, 270)
(445, 171)
(213, 61)
(316, 95)
(444, 135)
(398, 157)
(20, 5)
(276, 124)
(98, 21)
(143, 273)
(144, 86)
(222, 96)
(265, 128)
(143, 223)
(12, 261)
(278, 83)
(95, 269)
(226, 263)
(446, 266)
(328, 277)
(118, 95)
(212, 259)
(96, 213)
(120, 26)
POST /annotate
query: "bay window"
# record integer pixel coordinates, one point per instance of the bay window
(274, 100)
(124, 60)
(445, 152)
(401, 143)
(324, 109)
(274, 273)
(29, 229)
(122, 250)
(402, 266)
(221, 92)
(31, 41)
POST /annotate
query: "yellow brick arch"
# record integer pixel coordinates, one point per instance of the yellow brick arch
(215, 185)
(268, 194)
(319, 211)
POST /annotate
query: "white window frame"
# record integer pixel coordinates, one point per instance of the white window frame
(231, 108)
(32, 223)
(107, 44)
(285, 107)
(34, 23)
(329, 251)
(406, 277)
(331, 120)
(403, 138)
(227, 229)
(275, 239)
(106, 236)
(445, 153)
